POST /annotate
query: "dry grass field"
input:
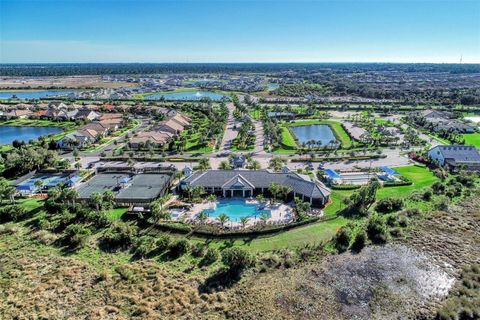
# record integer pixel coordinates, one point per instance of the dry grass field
(408, 278)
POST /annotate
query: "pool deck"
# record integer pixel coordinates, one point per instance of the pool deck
(280, 213)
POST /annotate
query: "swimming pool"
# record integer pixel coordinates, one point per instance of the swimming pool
(236, 209)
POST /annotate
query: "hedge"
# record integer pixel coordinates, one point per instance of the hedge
(345, 186)
(321, 159)
(212, 230)
(397, 183)
(151, 159)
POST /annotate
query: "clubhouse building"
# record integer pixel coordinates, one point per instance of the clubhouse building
(250, 183)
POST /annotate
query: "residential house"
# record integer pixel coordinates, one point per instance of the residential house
(78, 139)
(436, 121)
(17, 114)
(456, 157)
(86, 114)
(156, 138)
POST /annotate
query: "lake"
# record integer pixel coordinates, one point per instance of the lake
(315, 132)
(273, 86)
(10, 133)
(34, 94)
(187, 96)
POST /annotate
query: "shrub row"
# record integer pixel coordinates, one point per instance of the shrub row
(345, 186)
(212, 230)
(150, 159)
(322, 159)
(397, 183)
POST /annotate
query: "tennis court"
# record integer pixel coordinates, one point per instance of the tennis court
(45, 181)
(127, 187)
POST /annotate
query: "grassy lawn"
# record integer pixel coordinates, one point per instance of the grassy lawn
(287, 138)
(37, 123)
(193, 142)
(472, 139)
(310, 234)
(323, 231)
(29, 203)
(420, 176)
(116, 213)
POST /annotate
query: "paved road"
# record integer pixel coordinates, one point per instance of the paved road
(393, 159)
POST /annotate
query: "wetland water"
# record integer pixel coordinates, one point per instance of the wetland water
(10, 133)
(317, 132)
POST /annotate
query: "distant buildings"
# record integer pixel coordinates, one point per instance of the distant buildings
(436, 121)
(456, 157)
(173, 124)
(92, 132)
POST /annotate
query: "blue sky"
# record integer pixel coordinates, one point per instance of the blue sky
(239, 31)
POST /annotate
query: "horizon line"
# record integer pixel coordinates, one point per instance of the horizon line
(246, 62)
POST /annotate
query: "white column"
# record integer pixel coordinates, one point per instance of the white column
(224, 193)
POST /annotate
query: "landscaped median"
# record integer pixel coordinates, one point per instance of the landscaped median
(146, 158)
(339, 158)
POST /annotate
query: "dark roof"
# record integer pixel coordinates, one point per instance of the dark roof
(280, 114)
(259, 179)
(460, 153)
(127, 187)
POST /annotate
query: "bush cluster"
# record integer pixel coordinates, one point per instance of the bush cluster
(388, 205)
(237, 260)
(377, 230)
(10, 213)
(119, 235)
(76, 235)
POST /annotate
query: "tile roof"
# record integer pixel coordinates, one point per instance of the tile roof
(460, 153)
(259, 179)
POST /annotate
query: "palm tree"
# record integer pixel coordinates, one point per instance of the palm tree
(274, 189)
(223, 218)
(244, 221)
(264, 217)
(260, 198)
(9, 192)
(284, 191)
(39, 185)
(96, 199)
(70, 195)
(108, 199)
(224, 165)
(198, 191)
(204, 164)
(276, 164)
(212, 198)
(202, 217)
(159, 212)
(255, 165)
(188, 190)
